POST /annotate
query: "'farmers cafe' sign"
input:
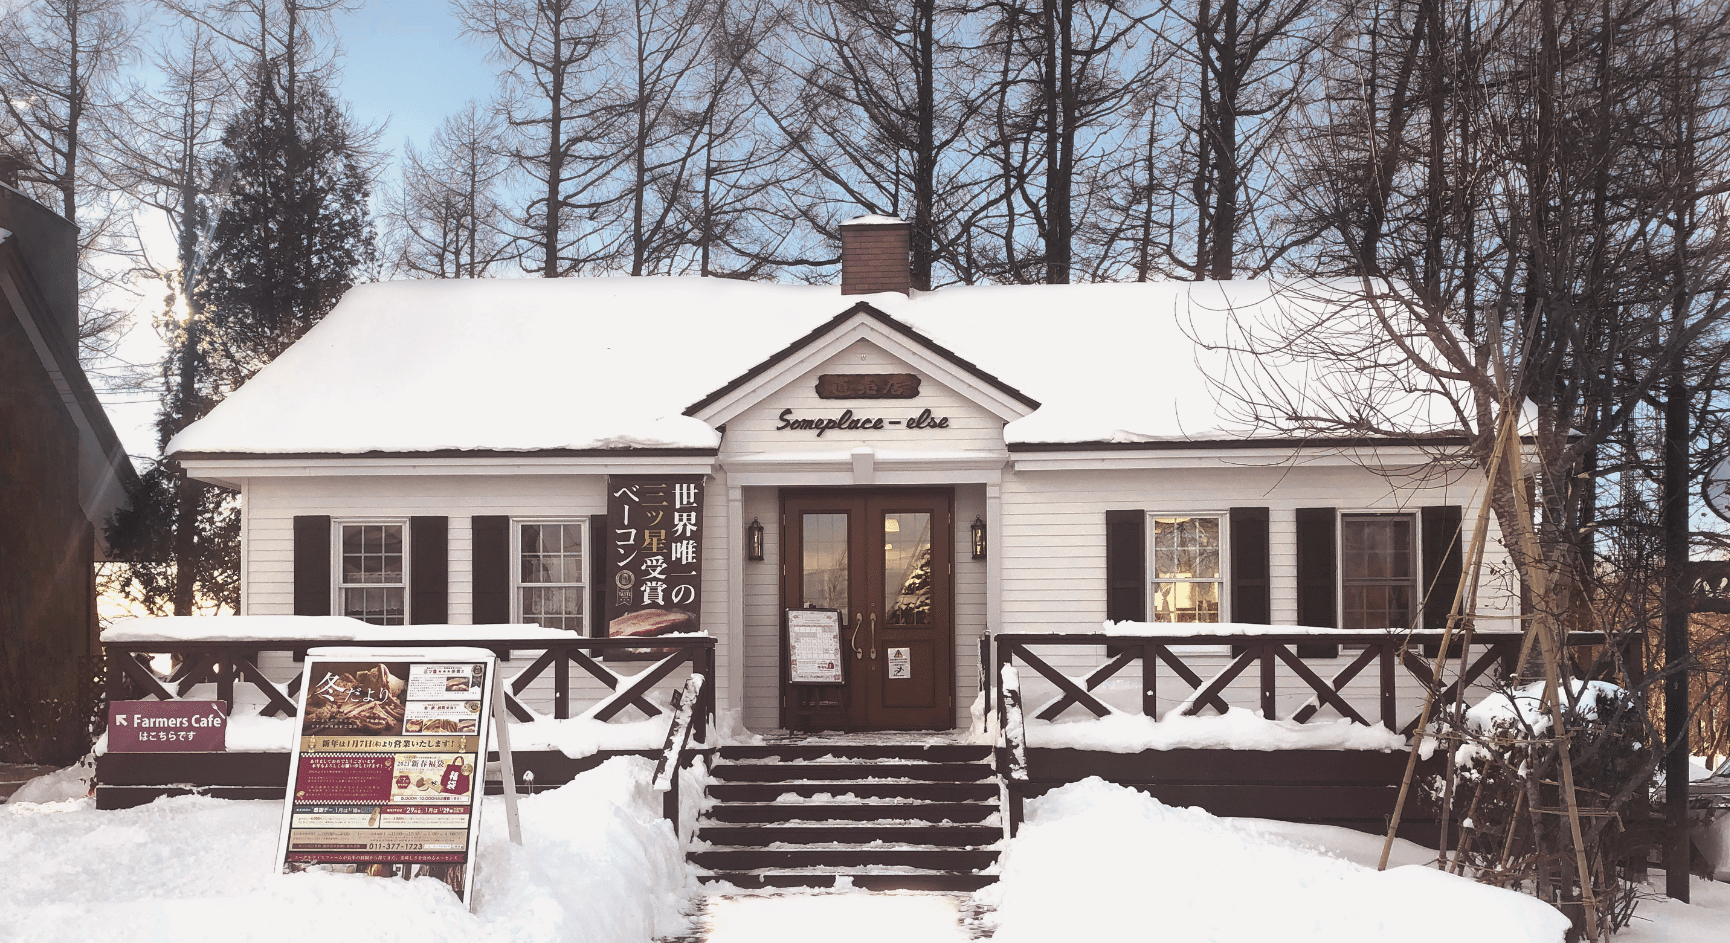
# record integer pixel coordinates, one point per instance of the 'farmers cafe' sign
(654, 554)
(167, 726)
(388, 766)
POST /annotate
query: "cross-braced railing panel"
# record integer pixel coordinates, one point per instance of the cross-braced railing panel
(1211, 682)
(227, 663)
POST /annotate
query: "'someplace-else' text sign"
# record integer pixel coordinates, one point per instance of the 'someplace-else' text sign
(388, 768)
(167, 727)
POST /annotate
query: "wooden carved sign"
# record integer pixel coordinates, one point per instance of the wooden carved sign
(867, 386)
(654, 557)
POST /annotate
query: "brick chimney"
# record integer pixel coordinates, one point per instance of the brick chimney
(874, 253)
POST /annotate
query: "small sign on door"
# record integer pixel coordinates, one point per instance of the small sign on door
(900, 664)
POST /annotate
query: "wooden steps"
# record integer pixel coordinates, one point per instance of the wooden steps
(871, 813)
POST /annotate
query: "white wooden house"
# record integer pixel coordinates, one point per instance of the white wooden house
(934, 465)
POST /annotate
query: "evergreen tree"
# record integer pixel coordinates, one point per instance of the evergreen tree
(294, 234)
(290, 234)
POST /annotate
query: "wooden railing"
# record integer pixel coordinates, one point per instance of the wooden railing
(228, 662)
(1011, 748)
(1389, 654)
(1207, 678)
(675, 752)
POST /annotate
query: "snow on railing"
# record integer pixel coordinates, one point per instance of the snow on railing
(666, 778)
(226, 652)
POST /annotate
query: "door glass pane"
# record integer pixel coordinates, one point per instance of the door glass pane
(907, 568)
(824, 561)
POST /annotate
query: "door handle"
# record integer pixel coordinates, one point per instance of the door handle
(853, 640)
(873, 636)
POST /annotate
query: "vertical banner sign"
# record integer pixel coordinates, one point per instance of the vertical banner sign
(654, 554)
(389, 766)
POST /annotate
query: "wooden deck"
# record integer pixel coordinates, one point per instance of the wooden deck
(238, 671)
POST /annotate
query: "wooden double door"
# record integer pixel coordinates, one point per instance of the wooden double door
(884, 560)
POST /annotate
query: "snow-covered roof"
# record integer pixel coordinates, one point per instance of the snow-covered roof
(614, 363)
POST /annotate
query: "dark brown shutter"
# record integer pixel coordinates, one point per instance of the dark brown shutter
(598, 575)
(429, 570)
(1126, 566)
(1441, 563)
(491, 542)
(1317, 579)
(1249, 567)
(312, 565)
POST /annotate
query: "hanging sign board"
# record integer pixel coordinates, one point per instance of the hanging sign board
(654, 554)
(167, 727)
(814, 646)
(388, 766)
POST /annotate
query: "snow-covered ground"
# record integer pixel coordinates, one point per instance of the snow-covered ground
(598, 865)
(1095, 862)
(1098, 861)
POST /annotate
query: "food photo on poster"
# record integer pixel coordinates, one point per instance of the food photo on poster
(387, 766)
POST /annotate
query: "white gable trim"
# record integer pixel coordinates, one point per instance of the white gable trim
(861, 326)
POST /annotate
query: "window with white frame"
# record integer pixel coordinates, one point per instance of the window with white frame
(551, 590)
(1378, 570)
(1187, 574)
(372, 572)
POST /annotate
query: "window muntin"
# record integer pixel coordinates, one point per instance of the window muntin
(372, 581)
(551, 590)
(1187, 578)
(1378, 572)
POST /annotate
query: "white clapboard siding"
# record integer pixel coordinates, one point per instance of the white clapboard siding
(273, 503)
(1053, 550)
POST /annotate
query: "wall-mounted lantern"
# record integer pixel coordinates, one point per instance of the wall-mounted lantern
(754, 540)
(978, 530)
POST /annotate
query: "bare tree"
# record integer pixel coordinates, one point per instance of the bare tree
(1066, 72)
(58, 65)
(445, 217)
(551, 52)
(1529, 225)
(1247, 68)
(873, 101)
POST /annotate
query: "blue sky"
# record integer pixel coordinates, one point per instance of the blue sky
(406, 64)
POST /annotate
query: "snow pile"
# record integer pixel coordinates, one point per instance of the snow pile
(598, 865)
(1096, 861)
(1236, 729)
(73, 782)
(1523, 708)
